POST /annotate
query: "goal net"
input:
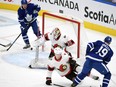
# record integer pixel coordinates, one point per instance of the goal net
(68, 26)
(71, 27)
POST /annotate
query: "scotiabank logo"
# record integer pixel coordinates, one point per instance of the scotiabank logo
(99, 16)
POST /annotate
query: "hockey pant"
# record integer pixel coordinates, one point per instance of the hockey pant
(71, 76)
(35, 28)
(100, 67)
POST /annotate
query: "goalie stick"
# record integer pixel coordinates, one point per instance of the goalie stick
(35, 63)
(7, 45)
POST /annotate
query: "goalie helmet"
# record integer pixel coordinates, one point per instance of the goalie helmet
(108, 39)
(58, 50)
(56, 33)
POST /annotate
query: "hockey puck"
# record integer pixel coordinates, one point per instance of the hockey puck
(31, 48)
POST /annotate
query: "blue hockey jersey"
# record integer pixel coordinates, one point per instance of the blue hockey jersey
(99, 51)
(28, 14)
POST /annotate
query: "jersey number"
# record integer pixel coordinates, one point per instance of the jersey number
(102, 51)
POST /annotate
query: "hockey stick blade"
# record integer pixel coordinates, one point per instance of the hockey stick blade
(58, 85)
(7, 45)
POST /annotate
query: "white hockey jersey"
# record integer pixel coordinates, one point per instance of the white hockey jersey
(63, 41)
(55, 64)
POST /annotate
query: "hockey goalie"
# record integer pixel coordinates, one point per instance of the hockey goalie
(57, 39)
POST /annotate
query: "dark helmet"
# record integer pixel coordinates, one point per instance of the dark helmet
(108, 39)
(23, 1)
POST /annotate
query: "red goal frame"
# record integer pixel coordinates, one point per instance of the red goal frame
(67, 19)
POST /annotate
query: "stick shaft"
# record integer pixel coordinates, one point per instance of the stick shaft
(14, 41)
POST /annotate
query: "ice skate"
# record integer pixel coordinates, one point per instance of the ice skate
(73, 85)
(95, 77)
(26, 46)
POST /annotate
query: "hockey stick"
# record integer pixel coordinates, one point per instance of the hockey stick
(5, 45)
(37, 54)
(14, 41)
(58, 85)
(35, 63)
(39, 65)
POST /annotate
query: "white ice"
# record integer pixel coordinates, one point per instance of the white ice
(14, 71)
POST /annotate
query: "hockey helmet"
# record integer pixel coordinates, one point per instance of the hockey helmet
(23, 2)
(56, 33)
(58, 50)
(108, 39)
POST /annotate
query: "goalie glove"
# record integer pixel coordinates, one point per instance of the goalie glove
(48, 81)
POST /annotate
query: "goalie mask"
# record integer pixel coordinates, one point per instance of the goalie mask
(56, 33)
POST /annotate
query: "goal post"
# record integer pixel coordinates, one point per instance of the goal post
(63, 18)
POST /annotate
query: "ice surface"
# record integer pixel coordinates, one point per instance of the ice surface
(14, 71)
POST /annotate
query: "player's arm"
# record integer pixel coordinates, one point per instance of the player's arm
(108, 59)
(73, 63)
(90, 46)
(36, 9)
(40, 41)
(68, 42)
(49, 75)
(21, 19)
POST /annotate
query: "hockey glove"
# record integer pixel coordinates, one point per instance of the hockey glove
(71, 61)
(48, 81)
(73, 64)
(24, 27)
(35, 13)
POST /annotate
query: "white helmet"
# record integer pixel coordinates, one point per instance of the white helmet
(58, 50)
(56, 33)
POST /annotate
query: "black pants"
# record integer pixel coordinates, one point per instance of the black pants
(71, 76)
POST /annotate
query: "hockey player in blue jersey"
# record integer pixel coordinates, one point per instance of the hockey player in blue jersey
(98, 55)
(27, 17)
